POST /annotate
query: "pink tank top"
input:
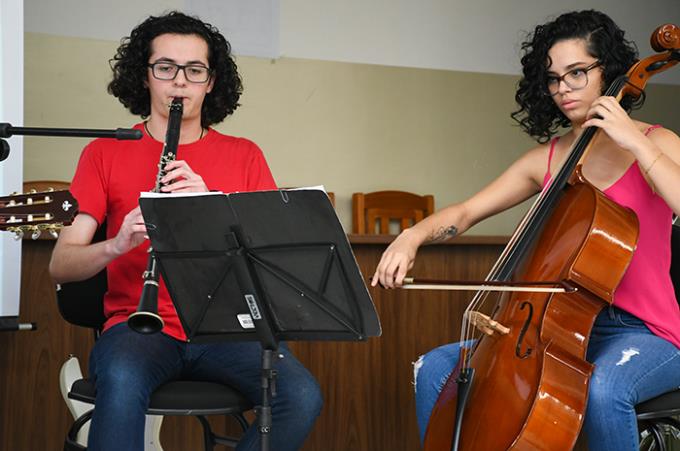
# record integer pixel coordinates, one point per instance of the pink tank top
(646, 289)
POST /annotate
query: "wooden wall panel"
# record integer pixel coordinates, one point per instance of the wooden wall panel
(367, 386)
(368, 391)
(33, 415)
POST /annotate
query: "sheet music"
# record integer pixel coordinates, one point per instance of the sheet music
(150, 194)
(316, 187)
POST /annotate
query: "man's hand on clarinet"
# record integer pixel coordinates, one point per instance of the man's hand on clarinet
(180, 178)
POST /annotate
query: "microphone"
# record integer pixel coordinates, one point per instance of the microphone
(128, 134)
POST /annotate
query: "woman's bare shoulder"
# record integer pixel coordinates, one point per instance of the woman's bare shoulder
(534, 162)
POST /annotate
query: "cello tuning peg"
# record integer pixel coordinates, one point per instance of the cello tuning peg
(36, 233)
(53, 232)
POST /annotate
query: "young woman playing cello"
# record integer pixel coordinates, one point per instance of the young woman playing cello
(635, 343)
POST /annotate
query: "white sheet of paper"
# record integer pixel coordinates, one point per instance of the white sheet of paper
(150, 194)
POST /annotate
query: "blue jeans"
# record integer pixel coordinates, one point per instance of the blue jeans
(631, 365)
(128, 367)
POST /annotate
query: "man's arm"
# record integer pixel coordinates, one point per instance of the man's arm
(75, 257)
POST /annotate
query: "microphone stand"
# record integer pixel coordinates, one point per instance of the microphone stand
(7, 130)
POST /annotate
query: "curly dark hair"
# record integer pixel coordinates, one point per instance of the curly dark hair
(538, 114)
(130, 66)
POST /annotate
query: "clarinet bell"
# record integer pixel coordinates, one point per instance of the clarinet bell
(146, 319)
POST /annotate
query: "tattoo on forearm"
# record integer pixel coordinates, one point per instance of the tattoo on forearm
(444, 233)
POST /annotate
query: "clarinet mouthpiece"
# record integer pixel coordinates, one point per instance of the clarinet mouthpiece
(176, 102)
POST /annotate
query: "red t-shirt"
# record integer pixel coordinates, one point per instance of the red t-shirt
(111, 174)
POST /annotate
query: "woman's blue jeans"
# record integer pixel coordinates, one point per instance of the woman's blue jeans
(631, 365)
(128, 367)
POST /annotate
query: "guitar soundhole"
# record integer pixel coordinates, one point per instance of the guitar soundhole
(522, 333)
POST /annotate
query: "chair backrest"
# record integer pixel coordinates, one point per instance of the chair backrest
(82, 303)
(382, 207)
(675, 259)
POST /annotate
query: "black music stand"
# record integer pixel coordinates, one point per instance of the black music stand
(265, 266)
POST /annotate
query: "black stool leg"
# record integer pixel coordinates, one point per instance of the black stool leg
(71, 442)
(241, 421)
(657, 434)
(208, 438)
(658, 437)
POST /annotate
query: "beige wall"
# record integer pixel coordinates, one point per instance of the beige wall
(350, 127)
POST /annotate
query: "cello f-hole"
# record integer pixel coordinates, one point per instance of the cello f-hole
(525, 327)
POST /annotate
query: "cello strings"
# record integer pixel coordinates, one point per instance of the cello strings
(544, 200)
(466, 328)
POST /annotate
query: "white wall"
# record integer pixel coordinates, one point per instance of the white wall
(461, 35)
(464, 35)
(11, 110)
(252, 26)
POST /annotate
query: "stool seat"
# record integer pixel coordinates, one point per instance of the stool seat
(179, 398)
(665, 405)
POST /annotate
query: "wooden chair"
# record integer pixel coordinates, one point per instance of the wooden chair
(385, 206)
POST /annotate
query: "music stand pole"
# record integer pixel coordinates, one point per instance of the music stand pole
(246, 280)
(264, 416)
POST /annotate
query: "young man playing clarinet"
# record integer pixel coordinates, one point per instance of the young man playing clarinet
(167, 57)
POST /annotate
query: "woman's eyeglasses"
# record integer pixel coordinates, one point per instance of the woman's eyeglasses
(575, 79)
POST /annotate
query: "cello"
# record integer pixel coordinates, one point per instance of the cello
(530, 382)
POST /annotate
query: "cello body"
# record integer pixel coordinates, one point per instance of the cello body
(530, 387)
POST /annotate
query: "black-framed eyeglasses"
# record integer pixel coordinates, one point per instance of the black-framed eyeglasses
(195, 73)
(576, 79)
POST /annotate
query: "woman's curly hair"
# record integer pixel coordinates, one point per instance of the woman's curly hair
(538, 114)
(130, 66)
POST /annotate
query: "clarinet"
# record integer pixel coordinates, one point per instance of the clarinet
(146, 319)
